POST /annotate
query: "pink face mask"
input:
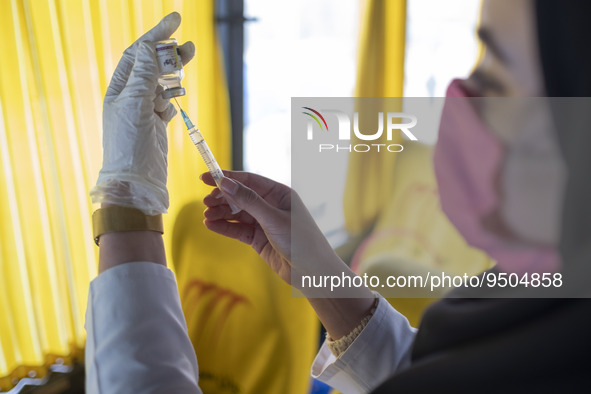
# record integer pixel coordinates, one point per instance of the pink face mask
(468, 161)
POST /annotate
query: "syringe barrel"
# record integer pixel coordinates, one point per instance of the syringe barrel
(205, 152)
(212, 165)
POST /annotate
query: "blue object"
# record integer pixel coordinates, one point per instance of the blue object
(187, 120)
(319, 387)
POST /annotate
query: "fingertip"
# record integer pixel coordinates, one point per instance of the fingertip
(189, 46)
(164, 29)
(228, 173)
(187, 52)
(163, 106)
(168, 113)
(173, 20)
(211, 200)
(229, 186)
(206, 223)
(209, 224)
(207, 179)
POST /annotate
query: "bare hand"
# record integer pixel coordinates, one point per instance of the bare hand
(265, 223)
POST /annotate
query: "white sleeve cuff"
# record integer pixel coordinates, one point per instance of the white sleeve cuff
(382, 348)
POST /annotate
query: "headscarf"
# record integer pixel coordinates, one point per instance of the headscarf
(564, 34)
(482, 345)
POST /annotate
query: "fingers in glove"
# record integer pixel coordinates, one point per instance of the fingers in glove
(168, 112)
(162, 31)
(120, 77)
(143, 79)
(160, 104)
(163, 107)
(187, 52)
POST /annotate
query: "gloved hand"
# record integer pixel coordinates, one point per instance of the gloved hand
(135, 117)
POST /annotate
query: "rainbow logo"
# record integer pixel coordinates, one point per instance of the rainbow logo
(316, 118)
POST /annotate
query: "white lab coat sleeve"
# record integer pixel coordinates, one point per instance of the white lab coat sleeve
(137, 339)
(380, 350)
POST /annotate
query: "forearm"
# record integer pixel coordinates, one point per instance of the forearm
(128, 246)
(342, 310)
(341, 315)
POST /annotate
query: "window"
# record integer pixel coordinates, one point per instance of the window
(309, 48)
(440, 45)
(295, 49)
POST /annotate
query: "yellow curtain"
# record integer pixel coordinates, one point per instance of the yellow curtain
(57, 59)
(380, 73)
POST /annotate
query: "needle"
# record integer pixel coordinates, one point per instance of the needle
(210, 162)
(177, 103)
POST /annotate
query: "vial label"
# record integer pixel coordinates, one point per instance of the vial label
(168, 59)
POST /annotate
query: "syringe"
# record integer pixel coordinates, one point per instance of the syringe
(210, 162)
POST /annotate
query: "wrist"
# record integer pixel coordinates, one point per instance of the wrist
(130, 246)
(113, 218)
(127, 235)
(340, 316)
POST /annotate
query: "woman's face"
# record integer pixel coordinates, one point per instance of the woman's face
(510, 66)
(532, 178)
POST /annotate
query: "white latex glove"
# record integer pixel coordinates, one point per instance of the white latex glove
(135, 117)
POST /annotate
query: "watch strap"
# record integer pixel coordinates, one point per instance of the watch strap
(116, 218)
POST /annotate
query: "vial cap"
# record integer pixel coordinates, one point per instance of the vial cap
(173, 92)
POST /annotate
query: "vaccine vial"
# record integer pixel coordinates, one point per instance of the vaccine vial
(171, 68)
